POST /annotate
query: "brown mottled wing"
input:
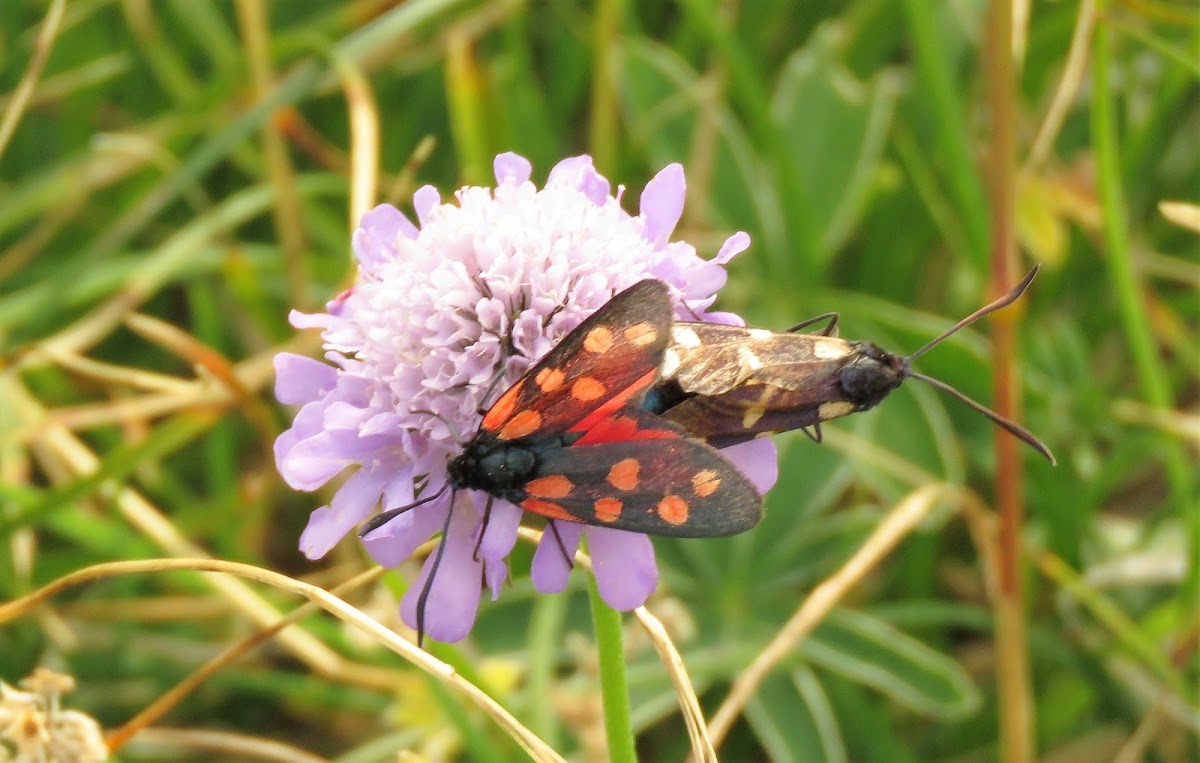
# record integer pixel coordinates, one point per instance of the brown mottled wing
(737, 383)
(607, 361)
(637, 472)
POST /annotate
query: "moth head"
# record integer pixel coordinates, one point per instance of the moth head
(871, 374)
(892, 369)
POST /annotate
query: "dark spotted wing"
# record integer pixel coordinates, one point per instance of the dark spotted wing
(610, 359)
(634, 471)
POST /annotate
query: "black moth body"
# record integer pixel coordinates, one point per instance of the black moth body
(729, 384)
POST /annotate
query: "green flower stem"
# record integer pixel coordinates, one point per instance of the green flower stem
(1147, 365)
(613, 684)
(545, 636)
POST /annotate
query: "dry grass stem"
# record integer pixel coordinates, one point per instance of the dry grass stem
(689, 703)
(225, 744)
(161, 706)
(143, 516)
(894, 528)
(41, 52)
(1068, 86)
(344, 611)
(364, 137)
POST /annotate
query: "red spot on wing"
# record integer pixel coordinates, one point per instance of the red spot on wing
(624, 474)
(673, 510)
(502, 409)
(548, 509)
(608, 509)
(523, 424)
(552, 486)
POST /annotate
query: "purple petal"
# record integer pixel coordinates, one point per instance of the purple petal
(579, 172)
(550, 568)
(569, 171)
(624, 566)
(757, 459)
(309, 320)
(726, 319)
(300, 379)
(662, 203)
(734, 245)
(391, 544)
(511, 168)
(374, 242)
(351, 504)
(424, 200)
(500, 535)
(306, 424)
(454, 596)
(314, 461)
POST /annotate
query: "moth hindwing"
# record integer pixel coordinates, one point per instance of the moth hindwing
(571, 441)
(728, 384)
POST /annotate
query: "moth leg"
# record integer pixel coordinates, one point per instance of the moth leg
(814, 433)
(483, 524)
(483, 406)
(562, 547)
(423, 599)
(379, 520)
(829, 330)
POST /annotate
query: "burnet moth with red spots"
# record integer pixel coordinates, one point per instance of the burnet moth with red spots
(571, 440)
(728, 384)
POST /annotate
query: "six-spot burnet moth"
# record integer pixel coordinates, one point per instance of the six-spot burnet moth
(728, 384)
(571, 440)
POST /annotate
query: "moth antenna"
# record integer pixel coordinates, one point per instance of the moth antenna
(423, 598)
(1012, 296)
(1018, 431)
(379, 520)
(453, 430)
(496, 377)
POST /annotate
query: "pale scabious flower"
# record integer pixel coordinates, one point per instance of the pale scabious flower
(35, 729)
(497, 276)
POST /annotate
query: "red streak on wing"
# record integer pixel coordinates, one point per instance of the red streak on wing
(623, 429)
(614, 403)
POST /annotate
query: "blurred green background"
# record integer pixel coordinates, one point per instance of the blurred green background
(180, 178)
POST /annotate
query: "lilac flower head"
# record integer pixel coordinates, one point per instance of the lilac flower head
(497, 276)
